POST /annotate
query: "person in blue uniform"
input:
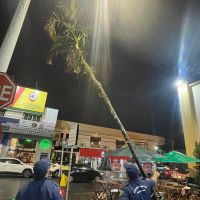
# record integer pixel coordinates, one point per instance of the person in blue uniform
(40, 188)
(137, 188)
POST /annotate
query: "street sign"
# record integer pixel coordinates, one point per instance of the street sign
(7, 90)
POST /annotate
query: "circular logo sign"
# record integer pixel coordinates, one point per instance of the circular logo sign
(33, 96)
(45, 144)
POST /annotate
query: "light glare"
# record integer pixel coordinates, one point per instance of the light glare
(179, 83)
(156, 148)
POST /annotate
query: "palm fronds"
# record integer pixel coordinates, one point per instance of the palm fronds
(69, 39)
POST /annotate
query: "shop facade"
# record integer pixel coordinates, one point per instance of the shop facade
(94, 141)
(27, 126)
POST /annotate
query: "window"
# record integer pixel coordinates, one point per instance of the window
(25, 116)
(33, 117)
(2, 160)
(142, 144)
(15, 161)
(95, 142)
(30, 117)
(120, 144)
(5, 160)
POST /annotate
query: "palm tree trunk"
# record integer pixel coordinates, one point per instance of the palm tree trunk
(103, 94)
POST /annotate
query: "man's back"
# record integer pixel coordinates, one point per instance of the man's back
(39, 189)
(138, 190)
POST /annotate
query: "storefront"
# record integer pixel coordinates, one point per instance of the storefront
(117, 163)
(31, 140)
(27, 126)
(91, 156)
(56, 155)
(23, 149)
(95, 140)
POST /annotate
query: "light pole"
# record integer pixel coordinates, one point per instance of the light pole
(10, 40)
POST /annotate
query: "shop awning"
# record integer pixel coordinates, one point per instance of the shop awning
(143, 154)
(177, 157)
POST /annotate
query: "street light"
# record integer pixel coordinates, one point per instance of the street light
(156, 148)
(179, 82)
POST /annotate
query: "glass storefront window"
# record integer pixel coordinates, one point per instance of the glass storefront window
(22, 149)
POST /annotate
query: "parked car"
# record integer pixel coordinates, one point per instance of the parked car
(84, 174)
(78, 173)
(15, 166)
(54, 169)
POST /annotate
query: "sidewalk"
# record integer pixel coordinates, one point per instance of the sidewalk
(80, 196)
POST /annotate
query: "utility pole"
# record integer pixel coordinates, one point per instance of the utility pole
(69, 172)
(10, 40)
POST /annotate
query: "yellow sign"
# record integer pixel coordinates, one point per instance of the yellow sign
(64, 180)
(29, 99)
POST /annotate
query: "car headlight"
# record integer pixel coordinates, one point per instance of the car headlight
(101, 173)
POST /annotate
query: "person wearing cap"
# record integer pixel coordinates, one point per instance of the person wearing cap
(137, 188)
(40, 188)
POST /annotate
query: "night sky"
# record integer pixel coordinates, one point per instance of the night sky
(151, 44)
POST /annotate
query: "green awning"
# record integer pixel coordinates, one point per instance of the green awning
(177, 157)
(144, 155)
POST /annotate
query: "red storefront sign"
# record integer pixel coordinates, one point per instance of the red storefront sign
(119, 157)
(92, 153)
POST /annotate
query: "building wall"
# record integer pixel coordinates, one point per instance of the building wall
(189, 98)
(189, 117)
(84, 140)
(196, 99)
(109, 136)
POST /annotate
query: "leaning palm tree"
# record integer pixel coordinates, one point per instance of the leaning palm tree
(69, 40)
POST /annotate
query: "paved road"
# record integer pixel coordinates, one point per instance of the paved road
(10, 185)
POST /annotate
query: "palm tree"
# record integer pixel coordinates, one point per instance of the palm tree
(70, 41)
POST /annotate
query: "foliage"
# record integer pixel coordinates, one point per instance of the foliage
(196, 153)
(69, 38)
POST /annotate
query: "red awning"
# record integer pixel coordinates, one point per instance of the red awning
(91, 152)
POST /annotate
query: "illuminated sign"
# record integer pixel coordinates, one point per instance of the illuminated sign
(29, 99)
(28, 140)
(45, 144)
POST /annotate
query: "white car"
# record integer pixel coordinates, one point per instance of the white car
(54, 169)
(15, 166)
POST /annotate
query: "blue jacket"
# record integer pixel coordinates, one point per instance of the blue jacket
(139, 189)
(39, 189)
